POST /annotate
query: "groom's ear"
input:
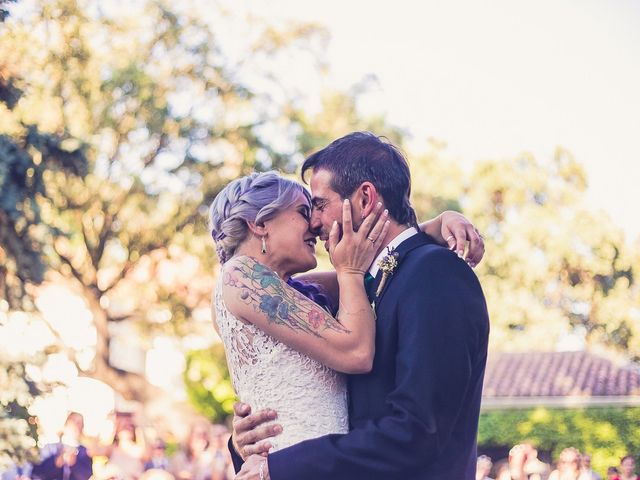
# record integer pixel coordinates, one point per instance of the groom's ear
(365, 198)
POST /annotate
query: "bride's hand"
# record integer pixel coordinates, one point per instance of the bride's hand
(354, 252)
(452, 229)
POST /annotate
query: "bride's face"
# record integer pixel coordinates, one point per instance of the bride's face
(290, 244)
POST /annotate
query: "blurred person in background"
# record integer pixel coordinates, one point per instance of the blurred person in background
(13, 471)
(16, 472)
(158, 457)
(106, 472)
(194, 461)
(627, 468)
(568, 467)
(524, 463)
(585, 469)
(483, 468)
(156, 474)
(128, 452)
(68, 458)
(222, 464)
(612, 473)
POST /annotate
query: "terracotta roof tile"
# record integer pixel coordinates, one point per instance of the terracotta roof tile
(558, 374)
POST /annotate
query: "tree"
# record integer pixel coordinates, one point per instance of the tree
(553, 266)
(21, 262)
(4, 13)
(339, 115)
(208, 384)
(18, 439)
(605, 433)
(24, 157)
(152, 102)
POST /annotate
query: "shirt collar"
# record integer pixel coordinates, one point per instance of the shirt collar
(395, 243)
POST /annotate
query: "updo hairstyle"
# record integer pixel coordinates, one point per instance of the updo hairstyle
(254, 198)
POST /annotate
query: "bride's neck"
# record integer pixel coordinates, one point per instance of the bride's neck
(253, 248)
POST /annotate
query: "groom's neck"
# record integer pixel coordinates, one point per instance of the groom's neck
(395, 229)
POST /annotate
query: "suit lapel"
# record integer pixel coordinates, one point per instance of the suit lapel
(403, 249)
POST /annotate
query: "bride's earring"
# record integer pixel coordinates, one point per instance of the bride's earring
(264, 246)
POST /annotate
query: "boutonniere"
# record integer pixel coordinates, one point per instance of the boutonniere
(387, 265)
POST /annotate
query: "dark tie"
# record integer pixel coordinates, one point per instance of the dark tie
(368, 285)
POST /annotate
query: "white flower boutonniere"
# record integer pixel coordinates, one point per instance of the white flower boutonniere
(388, 264)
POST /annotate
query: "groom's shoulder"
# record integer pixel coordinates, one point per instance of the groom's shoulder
(428, 256)
(427, 249)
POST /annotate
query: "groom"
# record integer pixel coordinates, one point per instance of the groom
(415, 415)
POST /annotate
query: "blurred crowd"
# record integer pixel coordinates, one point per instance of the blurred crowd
(130, 456)
(203, 455)
(523, 463)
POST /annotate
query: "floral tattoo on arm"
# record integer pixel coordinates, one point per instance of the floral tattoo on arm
(261, 287)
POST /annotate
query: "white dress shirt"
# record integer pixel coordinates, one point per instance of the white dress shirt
(393, 244)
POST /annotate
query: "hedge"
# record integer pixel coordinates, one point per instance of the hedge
(606, 433)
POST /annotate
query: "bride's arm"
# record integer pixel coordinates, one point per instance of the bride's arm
(450, 229)
(255, 294)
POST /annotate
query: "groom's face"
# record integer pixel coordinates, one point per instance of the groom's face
(326, 205)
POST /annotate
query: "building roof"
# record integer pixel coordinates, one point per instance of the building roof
(563, 378)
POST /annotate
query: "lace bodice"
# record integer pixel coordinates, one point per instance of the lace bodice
(310, 398)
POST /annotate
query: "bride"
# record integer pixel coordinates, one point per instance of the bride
(283, 345)
(286, 339)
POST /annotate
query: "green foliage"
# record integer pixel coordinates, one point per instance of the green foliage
(9, 92)
(338, 117)
(23, 163)
(24, 159)
(4, 13)
(208, 385)
(149, 98)
(553, 266)
(18, 437)
(606, 433)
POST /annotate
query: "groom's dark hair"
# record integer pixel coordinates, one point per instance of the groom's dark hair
(364, 157)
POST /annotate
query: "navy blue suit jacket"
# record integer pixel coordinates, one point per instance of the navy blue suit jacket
(415, 415)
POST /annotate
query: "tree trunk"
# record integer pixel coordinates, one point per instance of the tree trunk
(131, 386)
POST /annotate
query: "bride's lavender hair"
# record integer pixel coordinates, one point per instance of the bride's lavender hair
(255, 198)
(313, 292)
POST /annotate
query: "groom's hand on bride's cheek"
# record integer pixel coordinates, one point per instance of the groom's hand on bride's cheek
(250, 432)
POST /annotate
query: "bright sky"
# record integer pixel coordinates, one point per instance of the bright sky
(495, 78)
(490, 78)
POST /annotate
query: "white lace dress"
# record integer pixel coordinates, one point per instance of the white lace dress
(310, 398)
